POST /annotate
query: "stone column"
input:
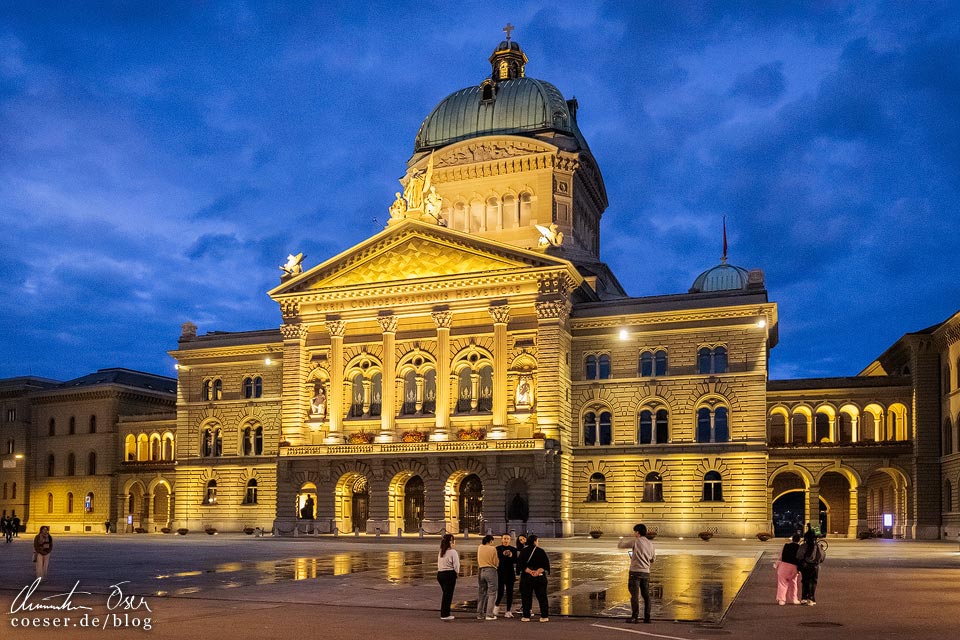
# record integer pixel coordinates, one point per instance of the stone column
(813, 505)
(855, 428)
(388, 409)
(443, 320)
(501, 316)
(833, 429)
(295, 401)
(336, 328)
(811, 428)
(553, 371)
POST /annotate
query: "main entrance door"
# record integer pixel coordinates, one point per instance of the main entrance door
(413, 504)
(471, 504)
(360, 505)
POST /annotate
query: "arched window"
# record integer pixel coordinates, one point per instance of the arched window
(72, 429)
(661, 431)
(51, 466)
(71, 464)
(143, 447)
(712, 360)
(248, 387)
(356, 399)
(485, 392)
(712, 487)
(720, 360)
(88, 502)
(92, 463)
(821, 427)
(597, 488)
(947, 438)
(492, 214)
(597, 429)
(476, 215)
(590, 367)
(511, 215)
(464, 391)
(460, 217)
(526, 209)
(168, 447)
(258, 441)
(210, 497)
(93, 424)
(13, 491)
(590, 429)
(645, 435)
(130, 448)
(712, 425)
(257, 387)
(947, 496)
(251, 494)
(218, 389)
(409, 405)
(603, 367)
(646, 364)
(49, 503)
(247, 441)
(205, 392)
(430, 392)
(653, 487)
(10, 445)
(155, 447)
(52, 428)
(253, 387)
(69, 502)
(206, 443)
(376, 394)
(218, 442)
(660, 363)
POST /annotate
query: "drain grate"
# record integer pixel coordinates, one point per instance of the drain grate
(821, 624)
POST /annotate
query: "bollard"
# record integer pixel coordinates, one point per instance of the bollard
(399, 532)
(336, 532)
(421, 532)
(378, 532)
(356, 532)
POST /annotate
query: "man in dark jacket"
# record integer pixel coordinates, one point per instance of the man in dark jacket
(533, 579)
(506, 574)
(809, 558)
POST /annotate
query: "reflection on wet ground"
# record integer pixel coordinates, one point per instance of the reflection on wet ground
(684, 587)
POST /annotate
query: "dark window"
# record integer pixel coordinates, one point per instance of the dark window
(69, 503)
(247, 440)
(604, 367)
(712, 487)
(662, 432)
(590, 367)
(590, 429)
(251, 495)
(71, 465)
(211, 494)
(258, 441)
(721, 431)
(712, 426)
(218, 389)
(704, 361)
(430, 392)
(464, 391)
(92, 464)
(205, 393)
(93, 424)
(73, 425)
(597, 488)
(660, 363)
(703, 425)
(52, 430)
(49, 503)
(646, 364)
(206, 443)
(646, 427)
(720, 360)
(376, 394)
(653, 487)
(409, 406)
(356, 401)
(248, 387)
(257, 387)
(485, 399)
(606, 428)
(51, 465)
(218, 442)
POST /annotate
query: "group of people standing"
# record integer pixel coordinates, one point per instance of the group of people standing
(10, 526)
(798, 570)
(497, 570)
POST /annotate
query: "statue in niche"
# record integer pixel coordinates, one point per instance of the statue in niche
(318, 404)
(306, 513)
(399, 208)
(524, 395)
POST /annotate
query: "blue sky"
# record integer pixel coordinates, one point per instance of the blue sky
(158, 161)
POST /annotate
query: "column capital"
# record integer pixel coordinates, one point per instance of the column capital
(289, 309)
(294, 331)
(336, 328)
(443, 319)
(500, 314)
(388, 323)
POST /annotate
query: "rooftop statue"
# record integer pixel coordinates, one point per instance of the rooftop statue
(417, 185)
(549, 236)
(293, 266)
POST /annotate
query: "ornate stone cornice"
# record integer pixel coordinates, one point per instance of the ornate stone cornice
(443, 319)
(337, 328)
(500, 314)
(641, 318)
(554, 282)
(559, 309)
(388, 323)
(294, 331)
(489, 151)
(289, 309)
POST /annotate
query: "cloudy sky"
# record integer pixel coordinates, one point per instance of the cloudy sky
(158, 160)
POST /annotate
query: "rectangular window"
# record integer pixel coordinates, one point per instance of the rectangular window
(11, 415)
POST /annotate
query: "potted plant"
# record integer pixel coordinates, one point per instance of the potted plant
(596, 531)
(248, 531)
(165, 530)
(360, 437)
(182, 532)
(763, 536)
(652, 533)
(471, 434)
(414, 436)
(211, 531)
(705, 535)
(139, 530)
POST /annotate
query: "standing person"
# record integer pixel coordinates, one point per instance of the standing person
(42, 546)
(6, 527)
(642, 555)
(448, 567)
(16, 525)
(533, 578)
(788, 573)
(809, 558)
(487, 563)
(506, 574)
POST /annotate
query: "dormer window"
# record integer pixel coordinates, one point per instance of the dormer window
(486, 91)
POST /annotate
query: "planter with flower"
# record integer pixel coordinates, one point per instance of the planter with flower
(361, 437)
(471, 434)
(414, 436)
(763, 536)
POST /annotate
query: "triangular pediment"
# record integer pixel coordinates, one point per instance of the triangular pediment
(416, 251)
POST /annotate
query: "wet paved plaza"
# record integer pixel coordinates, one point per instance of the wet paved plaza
(588, 577)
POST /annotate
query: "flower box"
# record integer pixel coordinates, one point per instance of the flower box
(414, 436)
(360, 437)
(471, 434)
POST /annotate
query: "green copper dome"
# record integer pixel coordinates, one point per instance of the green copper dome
(723, 277)
(505, 103)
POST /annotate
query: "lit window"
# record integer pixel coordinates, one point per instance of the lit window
(712, 487)
(211, 495)
(88, 502)
(69, 503)
(597, 488)
(218, 389)
(653, 487)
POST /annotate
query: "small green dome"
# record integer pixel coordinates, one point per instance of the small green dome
(723, 277)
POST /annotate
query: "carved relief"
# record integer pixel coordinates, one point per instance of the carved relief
(388, 323)
(336, 328)
(486, 151)
(289, 309)
(443, 319)
(550, 309)
(500, 315)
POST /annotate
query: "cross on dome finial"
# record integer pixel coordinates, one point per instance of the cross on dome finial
(507, 29)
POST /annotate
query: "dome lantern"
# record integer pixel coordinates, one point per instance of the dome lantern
(508, 59)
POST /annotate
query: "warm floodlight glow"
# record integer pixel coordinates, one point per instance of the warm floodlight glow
(762, 322)
(267, 361)
(624, 334)
(18, 456)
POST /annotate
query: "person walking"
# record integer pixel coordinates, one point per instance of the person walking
(506, 574)
(487, 563)
(6, 527)
(788, 573)
(809, 558)
(642, 554)
(42, 546)
(533, 578)
(448, 567)
(16, 525)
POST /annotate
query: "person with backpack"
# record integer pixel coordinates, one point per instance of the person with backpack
(809, 558)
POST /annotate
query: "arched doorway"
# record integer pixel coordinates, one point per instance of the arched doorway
(887, 502)
(413, 496)
(789, 503)
(360, 504)
(835, 494)
(161, 505)
(137, 505)
(306, 507)
(517, 501)
(470, 503)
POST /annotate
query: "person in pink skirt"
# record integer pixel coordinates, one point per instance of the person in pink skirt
(788, 575)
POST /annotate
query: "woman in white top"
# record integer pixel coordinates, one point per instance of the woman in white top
(448, 566)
